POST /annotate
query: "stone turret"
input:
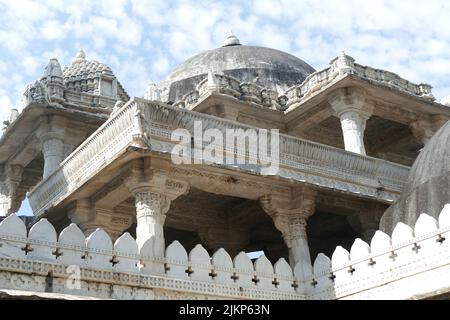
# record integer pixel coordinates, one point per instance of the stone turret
(53, 79)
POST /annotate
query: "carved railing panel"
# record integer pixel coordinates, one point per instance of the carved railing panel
(140, 120)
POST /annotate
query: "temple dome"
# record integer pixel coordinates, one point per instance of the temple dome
(426, 190)
(90, 75)
(266, 67)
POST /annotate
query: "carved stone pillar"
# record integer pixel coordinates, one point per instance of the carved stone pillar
(53, 151)
(51, 135)
(151, 209)
(351, 106)
(153, 191)
(290, 217)
(217, 236)
(10, 178)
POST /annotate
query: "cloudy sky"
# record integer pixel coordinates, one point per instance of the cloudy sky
(143, 40)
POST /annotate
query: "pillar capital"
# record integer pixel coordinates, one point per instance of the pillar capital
(351, 100)
(153, 190)
(424, 129)
(350, 105)
(290, 215)
(158, 181)
(366, 222)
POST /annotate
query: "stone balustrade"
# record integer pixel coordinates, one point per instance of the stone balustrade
(378, 271)
(343, 65)
(139, 120)
(230, 86)
(317, 81)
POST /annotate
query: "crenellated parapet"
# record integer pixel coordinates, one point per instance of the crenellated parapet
(381, 270)
(99, 260)
(385, 268)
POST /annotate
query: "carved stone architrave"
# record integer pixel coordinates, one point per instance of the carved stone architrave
(290, 216)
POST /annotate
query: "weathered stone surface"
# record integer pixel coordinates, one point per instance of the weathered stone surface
(428, 185)
(264, 66)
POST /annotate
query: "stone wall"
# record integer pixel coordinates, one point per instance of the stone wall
(407, 264)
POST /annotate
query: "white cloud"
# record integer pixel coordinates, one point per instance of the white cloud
(143, 40)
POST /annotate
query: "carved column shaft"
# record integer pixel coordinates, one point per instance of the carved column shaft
(290, 218)
(51, 133)
(153, 190)
(353, 125)
(53, 151)
(353, 110)
(151, 208)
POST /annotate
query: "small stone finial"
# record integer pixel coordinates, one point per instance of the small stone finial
(80, 56)
(211, 83)
(344, 63)
(231, 40)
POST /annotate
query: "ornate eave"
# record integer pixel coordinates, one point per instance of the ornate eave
(20, 131)
(148, 126)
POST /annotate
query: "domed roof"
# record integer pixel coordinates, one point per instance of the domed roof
(427, 189)
(89, 73)
(266, 67)
(83, 68)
